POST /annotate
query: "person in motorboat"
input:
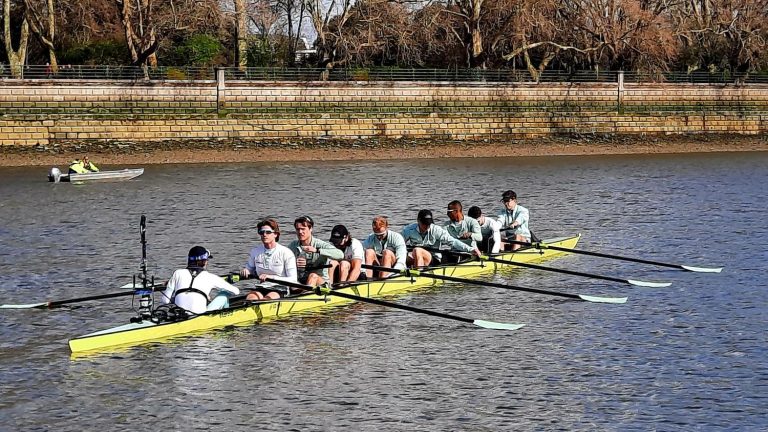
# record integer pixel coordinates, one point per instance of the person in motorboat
(83, 166)
(463, 228)
(312, 254)
(349, 268)
(190, 288)
(489, 228)
(270, 260)
(426, 238)
(384, 247)
(514, 221)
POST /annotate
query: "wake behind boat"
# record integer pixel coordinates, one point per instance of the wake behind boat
(56, 176)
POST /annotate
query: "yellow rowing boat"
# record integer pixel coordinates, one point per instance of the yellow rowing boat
(136, 333)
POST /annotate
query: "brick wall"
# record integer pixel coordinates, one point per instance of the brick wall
(47, 112)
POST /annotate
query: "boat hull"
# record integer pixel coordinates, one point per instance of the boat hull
(117, 175)
(146, 331)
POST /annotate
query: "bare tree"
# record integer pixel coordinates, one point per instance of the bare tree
(320, 13)
(43, 26)
(16, 58)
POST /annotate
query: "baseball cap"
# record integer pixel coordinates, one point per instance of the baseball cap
(508, 195)
(338, 233)
(425, 216)
(198, 253)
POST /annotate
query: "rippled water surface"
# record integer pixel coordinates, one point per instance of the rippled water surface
(688, 357)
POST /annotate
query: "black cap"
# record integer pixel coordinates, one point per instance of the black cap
(425, 217)
(198, 253)
(508, 195)
(338, 233)
(474, 212)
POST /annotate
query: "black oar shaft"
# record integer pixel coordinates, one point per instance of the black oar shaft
(53, 304)
(474, 282)
(400, 306)
(556, 270)
(598, 254)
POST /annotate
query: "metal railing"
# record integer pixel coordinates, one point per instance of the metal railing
(480, 76)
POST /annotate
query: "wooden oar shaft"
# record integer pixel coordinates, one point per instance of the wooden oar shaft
(473, 282)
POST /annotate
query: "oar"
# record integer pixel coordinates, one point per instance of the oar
(329, 291)
(578, 273)
(427, 274)
(556, 270)
(57, 303)
(540, 245)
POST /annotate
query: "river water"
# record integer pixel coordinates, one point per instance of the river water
(689, 357)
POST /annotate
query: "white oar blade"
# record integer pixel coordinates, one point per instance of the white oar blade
(23, 306)
(595, 299)
(702, 269)
(649, 284)
(496, 325)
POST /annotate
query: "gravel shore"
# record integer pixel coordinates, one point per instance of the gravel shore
(162, 152)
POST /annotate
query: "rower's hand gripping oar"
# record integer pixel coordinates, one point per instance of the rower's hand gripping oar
(416, 273)
(328, 291)
(540, 245)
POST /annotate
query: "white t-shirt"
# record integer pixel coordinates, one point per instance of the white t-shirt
(190, 300)
(355, 250)
(278, 262)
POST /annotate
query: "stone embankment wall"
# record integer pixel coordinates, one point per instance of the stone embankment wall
(51, 112)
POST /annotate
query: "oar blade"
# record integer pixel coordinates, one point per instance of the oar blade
(496, 325)
(24, 306)
(648, 284)
(702, 269)
(596, 299)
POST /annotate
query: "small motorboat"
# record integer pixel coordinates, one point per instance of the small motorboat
(56, 176)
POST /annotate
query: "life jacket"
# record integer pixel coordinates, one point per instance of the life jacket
(77, 167)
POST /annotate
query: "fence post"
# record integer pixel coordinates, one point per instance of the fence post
(220, 91)
(620, 99)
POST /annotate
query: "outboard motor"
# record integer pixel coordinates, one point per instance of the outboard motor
(54, 175)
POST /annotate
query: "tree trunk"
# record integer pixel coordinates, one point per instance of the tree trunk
(242, 32)
(16, 58)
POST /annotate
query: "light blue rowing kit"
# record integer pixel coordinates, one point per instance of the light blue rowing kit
(433, 238)
(394, 242)
(519, 215)
(315, 260)
(466, 225)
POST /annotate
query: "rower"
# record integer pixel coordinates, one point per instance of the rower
(347, 269)
(427, 239)
(312, 254)
(514, 220)
(489, 228)
(463, 228)
(190, 288)
(384, 247)
(270, 260)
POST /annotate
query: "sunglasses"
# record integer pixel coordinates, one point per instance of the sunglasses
(265, 232)
(451, 211)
